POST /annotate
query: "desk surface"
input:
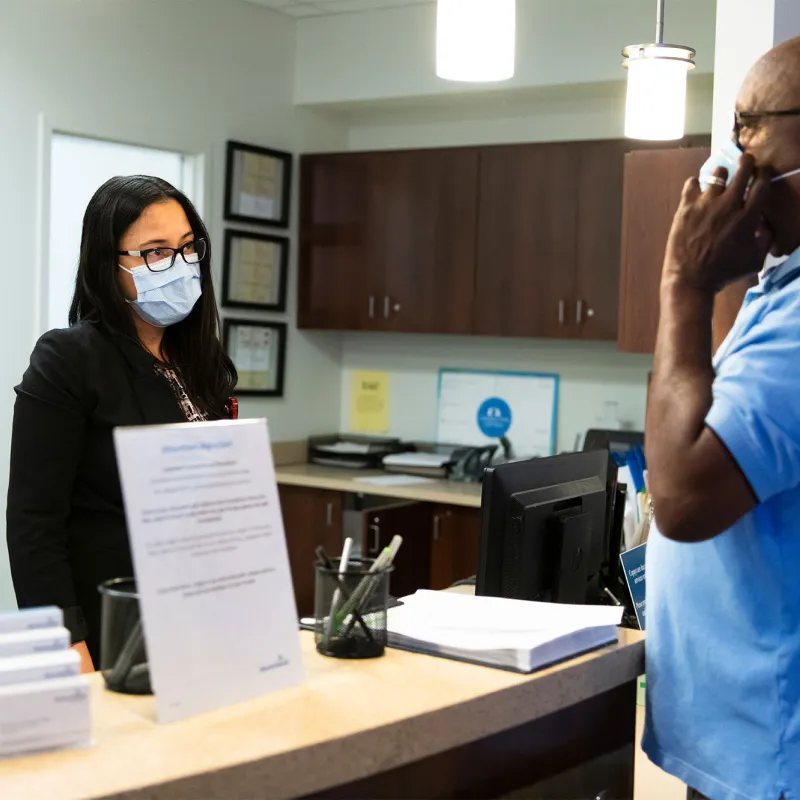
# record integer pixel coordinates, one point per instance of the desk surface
(348, 721)
(444, 492)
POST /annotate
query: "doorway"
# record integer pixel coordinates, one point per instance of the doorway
(78, 167)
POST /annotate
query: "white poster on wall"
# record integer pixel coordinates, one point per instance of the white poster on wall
(480, 407)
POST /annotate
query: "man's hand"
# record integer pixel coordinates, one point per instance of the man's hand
(719, 236)
(86, 660)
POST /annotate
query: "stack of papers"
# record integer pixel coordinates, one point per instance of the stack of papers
(511, 634)
(44, 700)
(345, 448)
(424, 460)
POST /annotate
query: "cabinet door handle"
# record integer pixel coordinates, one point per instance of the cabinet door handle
(386, 307)
(372, 306)
(376, 537)
(436, 528)
(560, 312)
(329, 518)
(579, 312)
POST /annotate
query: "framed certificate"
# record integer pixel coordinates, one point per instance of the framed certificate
(258, 351)
(254, 271)
(258, 183)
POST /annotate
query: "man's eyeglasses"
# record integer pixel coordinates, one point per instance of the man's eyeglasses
(743, 119)
(156, 257)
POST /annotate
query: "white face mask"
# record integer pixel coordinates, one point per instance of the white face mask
(166, 297)
(728, 156)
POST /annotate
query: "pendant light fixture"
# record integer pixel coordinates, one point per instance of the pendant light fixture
(475, 40)
(657, 73)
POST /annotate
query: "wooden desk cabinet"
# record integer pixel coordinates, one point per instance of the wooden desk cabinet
(311, 517)
(454, 545)
(440, 542)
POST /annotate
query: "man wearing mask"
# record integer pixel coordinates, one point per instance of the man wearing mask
(723, 450)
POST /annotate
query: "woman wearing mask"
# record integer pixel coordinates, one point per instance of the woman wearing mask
(142, 348)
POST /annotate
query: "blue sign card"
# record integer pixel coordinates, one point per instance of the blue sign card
(633, 564)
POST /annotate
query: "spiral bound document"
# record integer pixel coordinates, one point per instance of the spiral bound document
(510, 634)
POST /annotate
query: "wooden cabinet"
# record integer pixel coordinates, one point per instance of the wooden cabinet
(428, 201)
(311, 517)
(412, 521)
(653, 182)
(341, 242)
(549, 240)
(526, 239)
(454, 545)
(387, 241)
(440, 543)
(512, 240)
(599, 239)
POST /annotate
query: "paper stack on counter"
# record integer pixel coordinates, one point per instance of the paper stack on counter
(44, 700)
(425, 465)
(511, 634)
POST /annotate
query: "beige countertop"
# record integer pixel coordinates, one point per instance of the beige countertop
(349, 720)
(444, 492)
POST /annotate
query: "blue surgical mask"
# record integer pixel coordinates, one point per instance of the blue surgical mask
(166, 297)
(728, 156)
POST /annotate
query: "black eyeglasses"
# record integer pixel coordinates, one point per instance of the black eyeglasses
(741, 119)
(159, 259)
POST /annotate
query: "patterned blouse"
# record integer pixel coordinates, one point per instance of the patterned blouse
(190, 410)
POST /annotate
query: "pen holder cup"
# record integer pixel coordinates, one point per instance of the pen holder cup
(350, 610)
(123, 658)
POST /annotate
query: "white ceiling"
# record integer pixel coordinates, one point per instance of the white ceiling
(317, 8)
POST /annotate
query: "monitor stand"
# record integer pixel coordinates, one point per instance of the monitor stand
(572, 538)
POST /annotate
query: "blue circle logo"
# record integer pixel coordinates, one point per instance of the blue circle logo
(494, 418)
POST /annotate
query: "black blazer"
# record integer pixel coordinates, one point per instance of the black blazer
(65, 522)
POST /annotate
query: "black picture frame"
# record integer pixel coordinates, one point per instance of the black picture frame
(231, 214)
(228, 298)
(228, 329)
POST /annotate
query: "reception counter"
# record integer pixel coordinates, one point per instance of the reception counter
(400, 726)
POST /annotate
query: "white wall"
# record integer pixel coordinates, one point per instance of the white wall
(591, 374)
(177, 75)
(746, 29)
(561, 113)
(387, 54)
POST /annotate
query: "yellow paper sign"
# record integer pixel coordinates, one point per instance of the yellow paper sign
(369, 402)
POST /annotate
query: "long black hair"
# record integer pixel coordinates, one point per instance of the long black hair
(193, 345)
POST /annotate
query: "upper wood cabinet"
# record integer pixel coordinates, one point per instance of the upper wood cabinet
(341, 242)
(510, 240)
(598, 239)
(387, 241)
(653, 182)
(526, 239)
(549, 240)
(428, 201)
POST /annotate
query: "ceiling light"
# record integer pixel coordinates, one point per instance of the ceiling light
(657, 73)
(475, 40)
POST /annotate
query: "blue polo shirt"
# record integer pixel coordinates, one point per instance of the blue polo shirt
(723, 616)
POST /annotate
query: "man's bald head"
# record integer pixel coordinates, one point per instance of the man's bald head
(774, 82)
(774, 141)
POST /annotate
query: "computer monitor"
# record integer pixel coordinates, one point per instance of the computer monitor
(548, 528)
(615, 441)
